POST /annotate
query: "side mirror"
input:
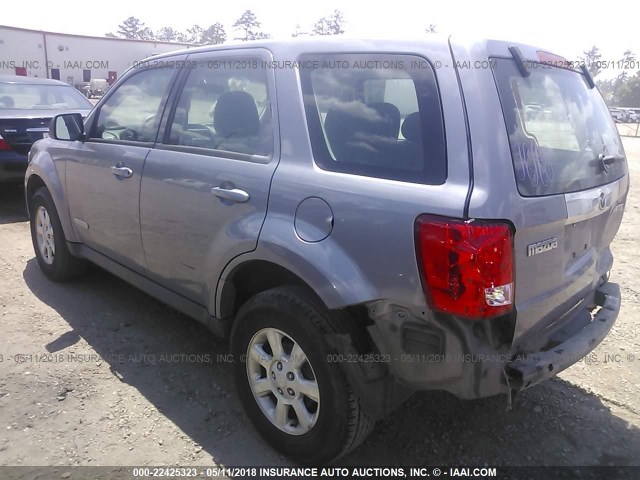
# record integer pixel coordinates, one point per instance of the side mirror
(67, 126)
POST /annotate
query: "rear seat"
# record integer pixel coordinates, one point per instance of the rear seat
(364, 134)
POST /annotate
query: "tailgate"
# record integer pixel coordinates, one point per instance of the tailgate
(571, 177)
(559, 263)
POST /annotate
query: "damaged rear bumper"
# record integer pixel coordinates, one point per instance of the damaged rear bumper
(535, 368)
(455, 355)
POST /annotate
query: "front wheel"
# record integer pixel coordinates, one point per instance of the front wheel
(298, 400)
(49, 242)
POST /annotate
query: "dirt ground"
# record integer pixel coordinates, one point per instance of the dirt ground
(95, 372)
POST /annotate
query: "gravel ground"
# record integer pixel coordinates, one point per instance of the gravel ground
(95, 372)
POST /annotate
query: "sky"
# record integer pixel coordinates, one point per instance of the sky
(563, 27)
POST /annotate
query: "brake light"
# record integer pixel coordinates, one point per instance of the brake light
(553, 59)
(4, 145)
(466, 266)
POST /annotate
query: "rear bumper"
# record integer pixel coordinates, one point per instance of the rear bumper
(455, 355)
(13, 166)
(533, 369)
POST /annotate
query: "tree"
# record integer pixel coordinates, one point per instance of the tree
(628, 95)
(167, 34)
(249, 27)
(628, 59)
(431, 28)
(618, 90)
(194, 34)
(133, 28)
(321, 27)
(214, 35)
(146, 34)
(606, 88)
(591, 59)
(111, 35)
(329, 25)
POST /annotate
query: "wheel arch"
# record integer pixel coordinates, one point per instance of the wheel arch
(249, 278)
(34, 183)
(272, 266)
(42, 172)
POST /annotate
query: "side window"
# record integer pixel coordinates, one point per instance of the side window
(376, 115)
(224, 106)
(132, 112)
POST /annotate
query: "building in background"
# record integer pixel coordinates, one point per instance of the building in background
(74, 59)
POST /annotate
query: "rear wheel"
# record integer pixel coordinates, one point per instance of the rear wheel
(48, 239)
(298, 400)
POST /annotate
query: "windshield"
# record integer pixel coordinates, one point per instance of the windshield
(561, 133)
(41, 97)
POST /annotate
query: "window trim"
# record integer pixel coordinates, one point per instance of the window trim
(211, 152)
(322, 157)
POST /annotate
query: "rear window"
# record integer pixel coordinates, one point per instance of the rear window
(376, 115)
(22, 96)
(558, 128)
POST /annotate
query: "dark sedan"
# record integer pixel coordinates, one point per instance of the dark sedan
(27, 105)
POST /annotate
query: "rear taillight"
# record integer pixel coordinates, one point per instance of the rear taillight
(4, 145)
(466, 266)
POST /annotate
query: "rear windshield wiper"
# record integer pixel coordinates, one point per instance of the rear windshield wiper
(603, 161)
(609, 159)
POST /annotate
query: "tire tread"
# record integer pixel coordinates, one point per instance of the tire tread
(360, 424)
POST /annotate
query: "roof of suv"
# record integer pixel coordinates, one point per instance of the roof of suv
(316, 43)
(292, 47)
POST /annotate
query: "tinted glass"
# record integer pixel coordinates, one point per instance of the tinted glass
(132, 112)
(558, 128)
(224, 106)
(376, 115)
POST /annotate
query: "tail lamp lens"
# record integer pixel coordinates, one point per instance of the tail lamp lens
(4, 145)
(467, 266)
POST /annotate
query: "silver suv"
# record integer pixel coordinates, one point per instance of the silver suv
(361, 219)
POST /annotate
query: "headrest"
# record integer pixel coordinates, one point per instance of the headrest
(412, 128)
(236, 114)
(389, 115)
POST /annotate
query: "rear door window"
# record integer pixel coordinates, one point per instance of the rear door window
(376, 115)
(559, 129)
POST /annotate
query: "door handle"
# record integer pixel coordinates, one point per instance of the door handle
(233, 194)
(121, 171)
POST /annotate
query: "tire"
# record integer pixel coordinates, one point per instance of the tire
(335, 424)
(49, 242)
